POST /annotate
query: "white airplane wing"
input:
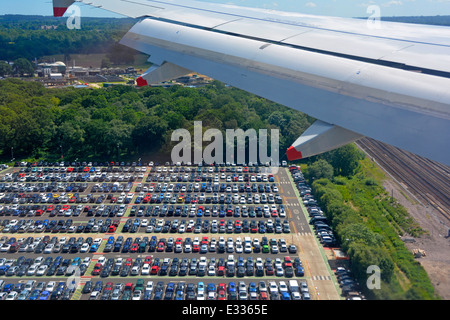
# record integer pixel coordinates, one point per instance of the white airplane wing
(390, 83)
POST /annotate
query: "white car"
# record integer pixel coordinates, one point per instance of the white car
(94, 295)
(86, 261)
(84, 248)
(49, 248)
(201, 295)
(41, 270)
(137, 295)
(273, 288)
(50, 286)
(149, 286)
(146, 269)
(12, 295)
(211, 271)
(282, 286)
(32, 270)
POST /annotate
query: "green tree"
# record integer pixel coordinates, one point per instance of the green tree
(345, 159)
(23, 66)
(5, 69)
(319, 169)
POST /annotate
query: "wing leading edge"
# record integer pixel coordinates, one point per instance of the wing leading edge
(387, 84)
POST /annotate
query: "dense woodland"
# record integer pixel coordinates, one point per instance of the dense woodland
(22, 37)
(89, 124)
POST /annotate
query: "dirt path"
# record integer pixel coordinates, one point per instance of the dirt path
(436, 244)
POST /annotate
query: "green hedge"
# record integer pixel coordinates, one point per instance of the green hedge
(368, 223)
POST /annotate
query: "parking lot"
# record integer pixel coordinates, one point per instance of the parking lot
(138, 231)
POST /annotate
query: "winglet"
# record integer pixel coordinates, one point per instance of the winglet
(292, 154)
(318, 138)
(60, 7)
(141, 82)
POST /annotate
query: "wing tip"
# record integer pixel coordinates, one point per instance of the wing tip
(293, 154)
(59, 11)
(141, 82)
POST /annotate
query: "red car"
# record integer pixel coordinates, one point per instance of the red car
(134, 248)
(222, 286)
(221, 295)
(108, 286)
(112, 228)
(155, 270)
(148, 260)
(97, 269)
(160, 247)
(128, 262)
(269, 271)
(195, 248)
(220, 270)
(287, 262)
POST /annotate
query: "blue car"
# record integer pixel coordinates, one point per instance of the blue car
(34, 294)
(8, 287)
(211, 287)
(285, 296)
(179, 295)
(44, 295)
(299, 271)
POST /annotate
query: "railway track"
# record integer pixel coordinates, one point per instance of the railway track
(427, 180)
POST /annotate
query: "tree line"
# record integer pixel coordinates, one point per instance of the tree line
(368, 223)
(39, 122)
(22, 36)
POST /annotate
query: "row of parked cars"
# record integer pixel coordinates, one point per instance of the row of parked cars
(199, 266)
(324, 232)
(199, 225)
(56, 187)
(317, 218)
(199, 211)
(35, 290)
(273, 290)
(203, 245)
(58, 226)
(89, 175)
(43, 266)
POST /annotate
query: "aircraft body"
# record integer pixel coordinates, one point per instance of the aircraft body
(390, 83)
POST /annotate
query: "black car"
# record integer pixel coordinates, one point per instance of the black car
(87, 287)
